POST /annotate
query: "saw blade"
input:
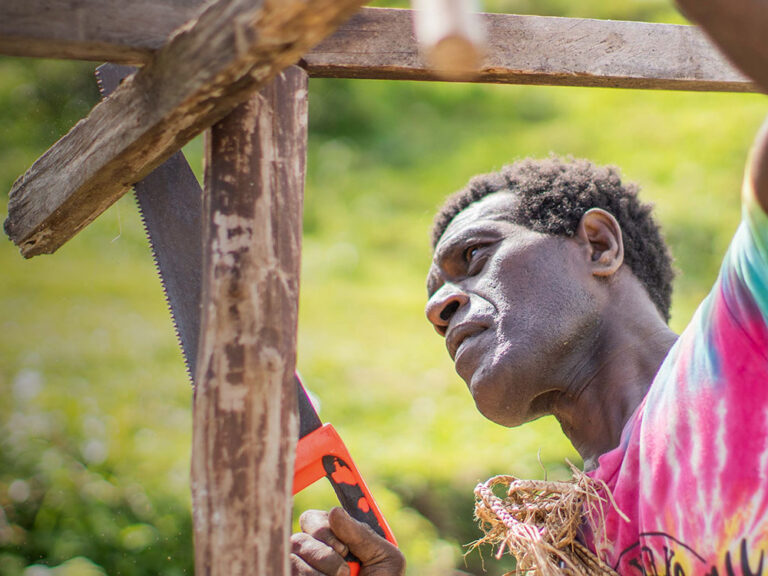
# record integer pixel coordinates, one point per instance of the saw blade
(171, 209)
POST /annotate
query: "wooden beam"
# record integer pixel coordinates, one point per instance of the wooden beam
(379, 43)
(245, 422)
(121, 31)
(210, 66)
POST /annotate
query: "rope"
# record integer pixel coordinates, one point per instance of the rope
(538, 522)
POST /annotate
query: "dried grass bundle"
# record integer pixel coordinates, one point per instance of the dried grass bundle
(538, 522)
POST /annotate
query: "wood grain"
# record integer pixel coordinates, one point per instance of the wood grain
(126, 32)
(245, 422)
(212, 64)
(379, 43)
(235, 46)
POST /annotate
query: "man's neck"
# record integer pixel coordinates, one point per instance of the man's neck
(606, 388)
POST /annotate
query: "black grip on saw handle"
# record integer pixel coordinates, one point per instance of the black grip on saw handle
(349, 492)
(352, 499)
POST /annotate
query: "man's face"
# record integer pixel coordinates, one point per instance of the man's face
(515, 307)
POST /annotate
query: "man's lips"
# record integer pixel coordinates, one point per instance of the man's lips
(458, 334)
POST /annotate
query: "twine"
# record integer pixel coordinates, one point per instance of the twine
(539, 521)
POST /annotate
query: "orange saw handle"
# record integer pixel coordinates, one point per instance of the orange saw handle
(322, 453)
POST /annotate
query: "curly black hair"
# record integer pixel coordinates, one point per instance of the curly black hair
(554, 194)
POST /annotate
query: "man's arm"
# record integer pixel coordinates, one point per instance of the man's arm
(757, 169)
(740, 29)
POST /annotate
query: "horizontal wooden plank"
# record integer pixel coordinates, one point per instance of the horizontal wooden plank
(123, 31)
(379, 43)
(206, 69)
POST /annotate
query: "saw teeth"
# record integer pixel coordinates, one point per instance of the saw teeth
(179, 341)
(188, 369)
(108, 73)
(99, 82)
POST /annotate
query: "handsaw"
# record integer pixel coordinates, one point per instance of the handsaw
(171, 210)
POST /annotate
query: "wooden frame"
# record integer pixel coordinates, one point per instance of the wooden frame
(199, 62)
(378, 43)
(208, 67)
(215, 62)
(245, 419)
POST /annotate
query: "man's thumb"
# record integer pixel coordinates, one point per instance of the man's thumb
(362, 541)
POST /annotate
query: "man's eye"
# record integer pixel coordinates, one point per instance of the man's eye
(470, 253)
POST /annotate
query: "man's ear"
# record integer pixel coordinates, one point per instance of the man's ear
(602, 234)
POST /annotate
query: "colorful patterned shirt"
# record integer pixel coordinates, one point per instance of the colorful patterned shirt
(691, 471)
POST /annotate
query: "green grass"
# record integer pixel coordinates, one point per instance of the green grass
(96, 410)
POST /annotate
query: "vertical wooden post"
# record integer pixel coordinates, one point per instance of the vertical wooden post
(245, 417)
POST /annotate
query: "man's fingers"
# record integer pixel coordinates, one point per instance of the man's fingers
(315, 523)
(301, 568)
(318, 555)
(363, 542)
(322, 546)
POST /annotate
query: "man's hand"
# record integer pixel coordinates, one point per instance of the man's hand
(327, 537)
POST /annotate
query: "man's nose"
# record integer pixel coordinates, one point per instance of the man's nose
(443, 305)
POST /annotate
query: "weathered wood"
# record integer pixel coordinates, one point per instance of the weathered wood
(245, 417)
(379, 43)
(451, 36)
(207, 68)
(738, 27)
(117, 30)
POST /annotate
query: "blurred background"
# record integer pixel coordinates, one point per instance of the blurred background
(95, 405)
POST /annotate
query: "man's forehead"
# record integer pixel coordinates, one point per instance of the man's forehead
(480, 218)
(497, 206)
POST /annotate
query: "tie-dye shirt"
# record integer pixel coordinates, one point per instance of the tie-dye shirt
(691, 471)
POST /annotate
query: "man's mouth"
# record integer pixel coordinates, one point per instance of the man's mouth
(458, 335)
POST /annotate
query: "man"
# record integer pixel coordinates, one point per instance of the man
(550, 283)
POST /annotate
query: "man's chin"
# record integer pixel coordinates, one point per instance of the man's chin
(493, 402)
(500, 417)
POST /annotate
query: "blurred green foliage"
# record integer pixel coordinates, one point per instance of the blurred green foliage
(95, 410)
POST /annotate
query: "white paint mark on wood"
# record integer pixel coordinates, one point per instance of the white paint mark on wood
(245, 421)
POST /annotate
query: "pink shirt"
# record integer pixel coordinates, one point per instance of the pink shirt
(691, 471)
